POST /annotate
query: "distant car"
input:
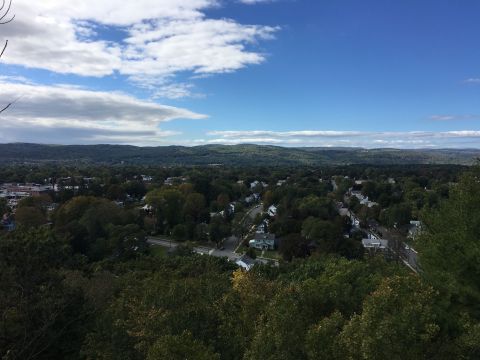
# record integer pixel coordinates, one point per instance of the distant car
(222, 248)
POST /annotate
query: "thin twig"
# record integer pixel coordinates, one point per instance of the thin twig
(4, 47)
(8, 105)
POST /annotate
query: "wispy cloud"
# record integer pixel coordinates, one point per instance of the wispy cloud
(411, 139)
(472, 81)
(252, 2)
(454, 117)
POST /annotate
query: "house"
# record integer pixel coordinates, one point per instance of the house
(146, 178)
(363, 199)
(231, 208)
(272, 211)
(355, 221)
(263, 241)
(254, 184)
(375, 244)
(147, 208)
(174, 181)
(219, 214)
(252, 198)
(414, 229)
(245, 262)
(263, 227)
(373, 236)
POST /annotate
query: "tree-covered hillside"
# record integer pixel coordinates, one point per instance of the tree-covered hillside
(236, 155)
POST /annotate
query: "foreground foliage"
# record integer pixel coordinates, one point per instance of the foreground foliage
(90, 288)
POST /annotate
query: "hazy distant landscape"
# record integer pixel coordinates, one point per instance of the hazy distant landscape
(234, 155)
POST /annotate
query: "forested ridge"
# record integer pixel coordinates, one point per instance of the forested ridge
(236, 155)
(88, 286)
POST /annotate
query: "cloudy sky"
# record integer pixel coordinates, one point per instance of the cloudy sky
(372, 73)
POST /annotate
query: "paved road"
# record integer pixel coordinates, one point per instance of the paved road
(202, 250)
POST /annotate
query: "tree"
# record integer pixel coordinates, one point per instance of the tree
(449, 247)
(398, 321)
(180, 347)
(29, 217)
(218, 229)
(322, 339)
(41, 316)
(326, 234)
(180, 232)
(293, 246)
(195, 206)
(168, 204)
(3, 206)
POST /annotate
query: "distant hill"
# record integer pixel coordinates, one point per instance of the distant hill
(235, 155)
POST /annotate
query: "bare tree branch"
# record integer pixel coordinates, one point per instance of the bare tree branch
(5, 13)
(8, 105)
(4, 47)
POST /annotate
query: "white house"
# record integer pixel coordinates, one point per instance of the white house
(272, 211)
(252, 198)
(263, 241)
(375, 244)
(147, 208)
(245, 262)
(254, 184)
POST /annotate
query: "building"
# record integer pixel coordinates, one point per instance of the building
(231, 208)
(245, 262)
(375, 244)
(254, 184)
(263, 241)
(146, 178)
(175, 181)
(272, 211)
(252, 198)
(362, 199)
(414, 229)
(263, 227)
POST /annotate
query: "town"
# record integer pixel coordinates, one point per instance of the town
(246, 219)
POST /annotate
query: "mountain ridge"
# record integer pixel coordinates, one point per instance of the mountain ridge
(231, 155)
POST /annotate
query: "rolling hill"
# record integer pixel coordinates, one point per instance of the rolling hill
(235, 155)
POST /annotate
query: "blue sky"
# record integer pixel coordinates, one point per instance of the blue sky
(378, 73)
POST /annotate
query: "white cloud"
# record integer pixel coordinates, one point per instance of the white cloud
(472, 81)
(454, 117)
(161, 38)
(408, 139)
(252, 2)
(65, 114)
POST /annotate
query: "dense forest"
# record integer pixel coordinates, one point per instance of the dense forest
(81, 281)
(237, 155)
